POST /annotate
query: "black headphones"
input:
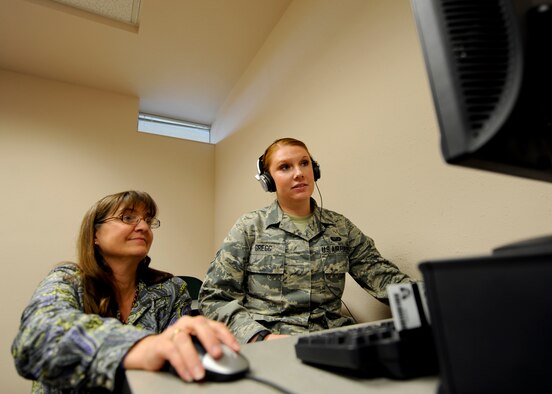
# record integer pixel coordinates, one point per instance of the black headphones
(266, 181)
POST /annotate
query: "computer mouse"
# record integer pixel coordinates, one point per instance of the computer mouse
(230, 366)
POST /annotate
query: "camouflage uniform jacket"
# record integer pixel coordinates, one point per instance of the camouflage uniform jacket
(64, 350)
(270, 275)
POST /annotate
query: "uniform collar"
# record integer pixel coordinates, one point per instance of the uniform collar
(275, 214)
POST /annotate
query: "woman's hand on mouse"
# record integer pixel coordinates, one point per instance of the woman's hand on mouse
(176, 346)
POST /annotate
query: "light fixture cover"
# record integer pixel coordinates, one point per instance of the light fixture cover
(126, 11)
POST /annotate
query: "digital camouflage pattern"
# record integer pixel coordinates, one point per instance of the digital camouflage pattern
(64, 350)
(270, 275)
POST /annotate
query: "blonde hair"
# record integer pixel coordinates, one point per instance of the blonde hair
(287, 141)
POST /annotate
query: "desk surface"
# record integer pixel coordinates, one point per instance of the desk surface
(276, 362)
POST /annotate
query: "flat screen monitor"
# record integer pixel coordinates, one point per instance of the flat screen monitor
(489, 64)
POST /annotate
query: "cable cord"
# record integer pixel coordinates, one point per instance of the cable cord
(341, 299)
(325, 283)
(320, 209)
(269, 383)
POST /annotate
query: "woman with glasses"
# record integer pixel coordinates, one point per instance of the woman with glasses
(88, 321)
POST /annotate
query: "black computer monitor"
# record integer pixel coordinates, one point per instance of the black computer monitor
(489, 64)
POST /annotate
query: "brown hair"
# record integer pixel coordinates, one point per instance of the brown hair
(267, 156)
(96, 275)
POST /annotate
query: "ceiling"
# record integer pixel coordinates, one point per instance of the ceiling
(182, 61)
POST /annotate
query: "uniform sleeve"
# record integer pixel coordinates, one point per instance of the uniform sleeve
(222, 294)
(58, 344)
(369, 269)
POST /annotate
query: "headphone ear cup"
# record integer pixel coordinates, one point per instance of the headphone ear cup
(267, 183)
(316, 170)
(264, 178)
(270, 185)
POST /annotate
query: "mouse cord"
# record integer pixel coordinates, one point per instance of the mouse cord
(268, 383)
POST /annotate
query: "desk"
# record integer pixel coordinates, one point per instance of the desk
(276, 361)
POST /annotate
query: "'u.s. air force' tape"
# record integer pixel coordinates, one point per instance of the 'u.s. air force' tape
(404, 307)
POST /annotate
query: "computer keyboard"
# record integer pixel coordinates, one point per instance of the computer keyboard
(369, 351)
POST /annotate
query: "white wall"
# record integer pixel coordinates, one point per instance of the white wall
(345, 76)
(63, 147)
(348, 78)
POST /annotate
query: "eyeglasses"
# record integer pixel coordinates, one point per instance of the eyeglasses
(133, 220)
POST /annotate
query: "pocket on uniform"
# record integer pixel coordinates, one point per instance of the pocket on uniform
(335, 267)
(264, 275)
(336, 259)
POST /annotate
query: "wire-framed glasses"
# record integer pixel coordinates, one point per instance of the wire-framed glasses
(133, 219)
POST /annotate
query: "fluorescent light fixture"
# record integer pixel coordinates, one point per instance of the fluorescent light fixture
(127, 11)
(170, 127)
